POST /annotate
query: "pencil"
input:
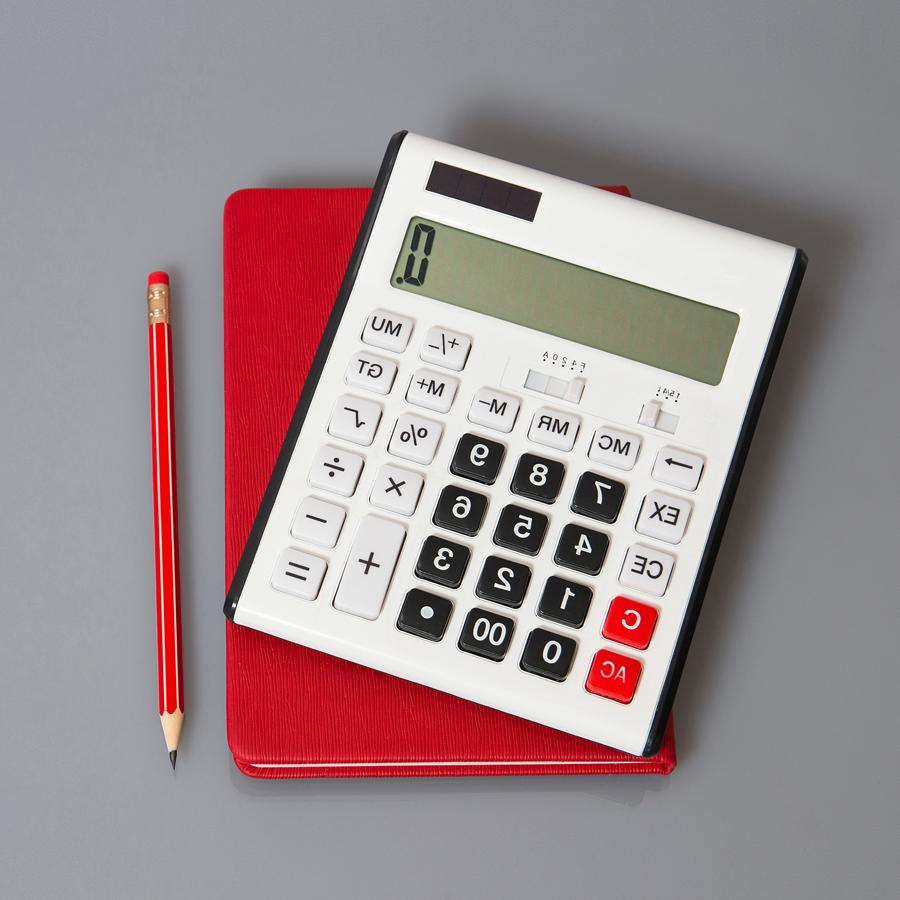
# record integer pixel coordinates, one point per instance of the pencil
(165, 514)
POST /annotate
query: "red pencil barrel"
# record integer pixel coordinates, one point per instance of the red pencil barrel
(165, 520)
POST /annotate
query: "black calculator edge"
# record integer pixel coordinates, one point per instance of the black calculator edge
(312, 379)
(670, 685)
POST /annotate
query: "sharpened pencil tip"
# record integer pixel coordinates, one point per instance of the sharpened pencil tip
(173, 755)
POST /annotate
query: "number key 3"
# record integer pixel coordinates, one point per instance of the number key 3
(443, 562)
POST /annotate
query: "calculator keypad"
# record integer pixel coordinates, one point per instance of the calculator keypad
(449, 349)
(554, 429)
(614, 676)
(521, 529)
(477, 458)
(370, 566)
(460, 509)
(424, 614)
(443, 562)
(582, 549)
(396, 490)
(371, 372)
(548, 654)
(663, 517)
(647, 569)
(388, 330)
(565, 602)
(354, 419)
(336, 470)
(494, 410)
(630, 622)
(415, 438)
(538, 478)
(318, 522)
(598, 497)
(431, 390)
(486, 634)
(503, 581)
(299, 574)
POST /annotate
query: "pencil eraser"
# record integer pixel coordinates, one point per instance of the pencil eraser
(158, 278)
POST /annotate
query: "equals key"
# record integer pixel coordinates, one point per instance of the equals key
(299, 574)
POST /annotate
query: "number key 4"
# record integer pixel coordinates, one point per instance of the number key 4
(582, 549)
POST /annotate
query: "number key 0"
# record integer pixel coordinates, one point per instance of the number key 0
(477, 458)
(548, 655)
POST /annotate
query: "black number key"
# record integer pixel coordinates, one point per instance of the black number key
(460, 510)
(548, 655)
(565, 602)
(503, 581)
(538, 478)
(425, 615)
(486, 634)
(443, 562)
(520, 529)
(477, 458)
(582, 549)
(598, 497)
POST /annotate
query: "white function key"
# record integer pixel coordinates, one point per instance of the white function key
(318, 522)
(494, 410)
(678, 468)
(374, 373)
(336, 470)
(388, 330)
(396, 490)
(615, 448)
(553, 428)
(369, 567)
(415, 438)
(298, 573)
(663, 517)
(449, 349)
(431, 390)
(355, 419)
(647, 570)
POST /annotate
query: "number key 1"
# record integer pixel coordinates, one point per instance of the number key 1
(477, 458)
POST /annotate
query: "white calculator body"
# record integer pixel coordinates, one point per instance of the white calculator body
(512, 461)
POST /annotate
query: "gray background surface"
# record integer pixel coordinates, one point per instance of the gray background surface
(126, 125)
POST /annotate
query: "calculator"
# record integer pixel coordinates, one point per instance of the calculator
(511, 463)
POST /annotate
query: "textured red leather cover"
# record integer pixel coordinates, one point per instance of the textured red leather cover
(294, 712)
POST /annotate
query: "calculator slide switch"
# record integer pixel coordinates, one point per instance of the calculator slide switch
(369, 567)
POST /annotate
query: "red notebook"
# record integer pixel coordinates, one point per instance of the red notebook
(294, 712)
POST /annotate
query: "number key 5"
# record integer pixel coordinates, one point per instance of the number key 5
(520, 529)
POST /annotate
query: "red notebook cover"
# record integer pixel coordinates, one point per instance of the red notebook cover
(294, 712)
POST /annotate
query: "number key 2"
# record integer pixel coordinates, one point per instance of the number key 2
(503, 581)
(443, 562)
(548, 655)
(486, 634)
(538, 478)
(477, 458)
(521, 529)
(598, 497)
(582, 549)
(460, 510)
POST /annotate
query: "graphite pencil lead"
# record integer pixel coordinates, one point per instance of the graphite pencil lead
(172, 756)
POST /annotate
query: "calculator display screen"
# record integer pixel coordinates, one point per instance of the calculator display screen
(565, 300)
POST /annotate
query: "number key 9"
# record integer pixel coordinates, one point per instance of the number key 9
(477, 458)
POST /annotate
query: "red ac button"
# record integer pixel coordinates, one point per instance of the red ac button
(629, 622)
(613, 676)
